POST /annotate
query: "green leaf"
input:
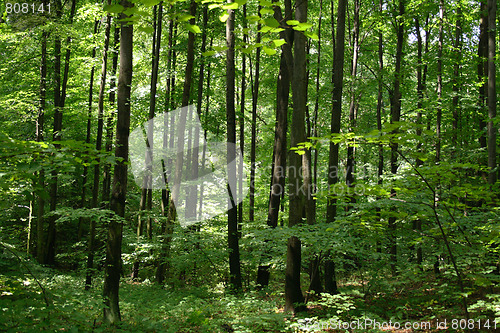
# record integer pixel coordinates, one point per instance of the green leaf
(271, 22)
(268, 50)
(232, 5)
(241, 2)
(292, 22)
(253, 18)
(147, 30)
(224, 17)
(279, 42)
(184, 17)
(214, 5)
(114, 9)
(302, 26)
(193, 28)
(208, 53)
(311, 35)
(265, 11)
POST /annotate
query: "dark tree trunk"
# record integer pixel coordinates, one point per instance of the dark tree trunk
(106, 182)
(98, 146)
(353, 103)
(83, 197)
(241, 121)
(39, 137)
(255, 96)
(232, 217)
(293, 291)
(457, 51)
(146, 193)
(113, 265)
(439, 110)
(395, 117)
(482, 71)
(192, 204)
(491, 127)
(338, 76)
(165, 252)
(333, 158)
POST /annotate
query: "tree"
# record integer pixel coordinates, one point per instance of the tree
(333, 157)
(232, 215)
(492, 164)
(113, 267)
(293, 291)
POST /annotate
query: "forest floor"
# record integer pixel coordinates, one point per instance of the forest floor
(39, 299)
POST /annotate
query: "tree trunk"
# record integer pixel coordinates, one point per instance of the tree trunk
(492, 128)
(293, 291)
(439, 82)
(165, 251)
(98, 146)
(241, 121)
(255, 96)
(39, 138)
(146, 193)
(232, 218)
(338, 76)
(106, 182)
(333, 158)
(353, 103)
(113, 267)
(395, 117)
(457, 51)
(482, 71)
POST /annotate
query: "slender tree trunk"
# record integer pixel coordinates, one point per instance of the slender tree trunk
(314, 265)
(333, 158)
(353, 103)
(439, 110)
(83, 197)
(482, 71)
(146, 193)
(113, 265)
(106, 183)
(380, 95)
(395, 117)
(338, 76)
(232, 218)
(457, 51)
(241, 121)
(492, 128)
(165, 193)
(293, 291)
(191, 205)
(39, 138)
(98, 146)
(253, 144)
(165, 252)
(417, 224)
(59, 99)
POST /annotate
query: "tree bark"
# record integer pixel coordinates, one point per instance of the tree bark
(338, 76)
(106, 182)
(491, 127)
(255, 96)
(98, 146)
(165, 252)
(395, 117)
(113, 267)
(293, 291)
(39, 138)
(232, 217)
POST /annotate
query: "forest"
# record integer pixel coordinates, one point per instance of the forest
(249, 166)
